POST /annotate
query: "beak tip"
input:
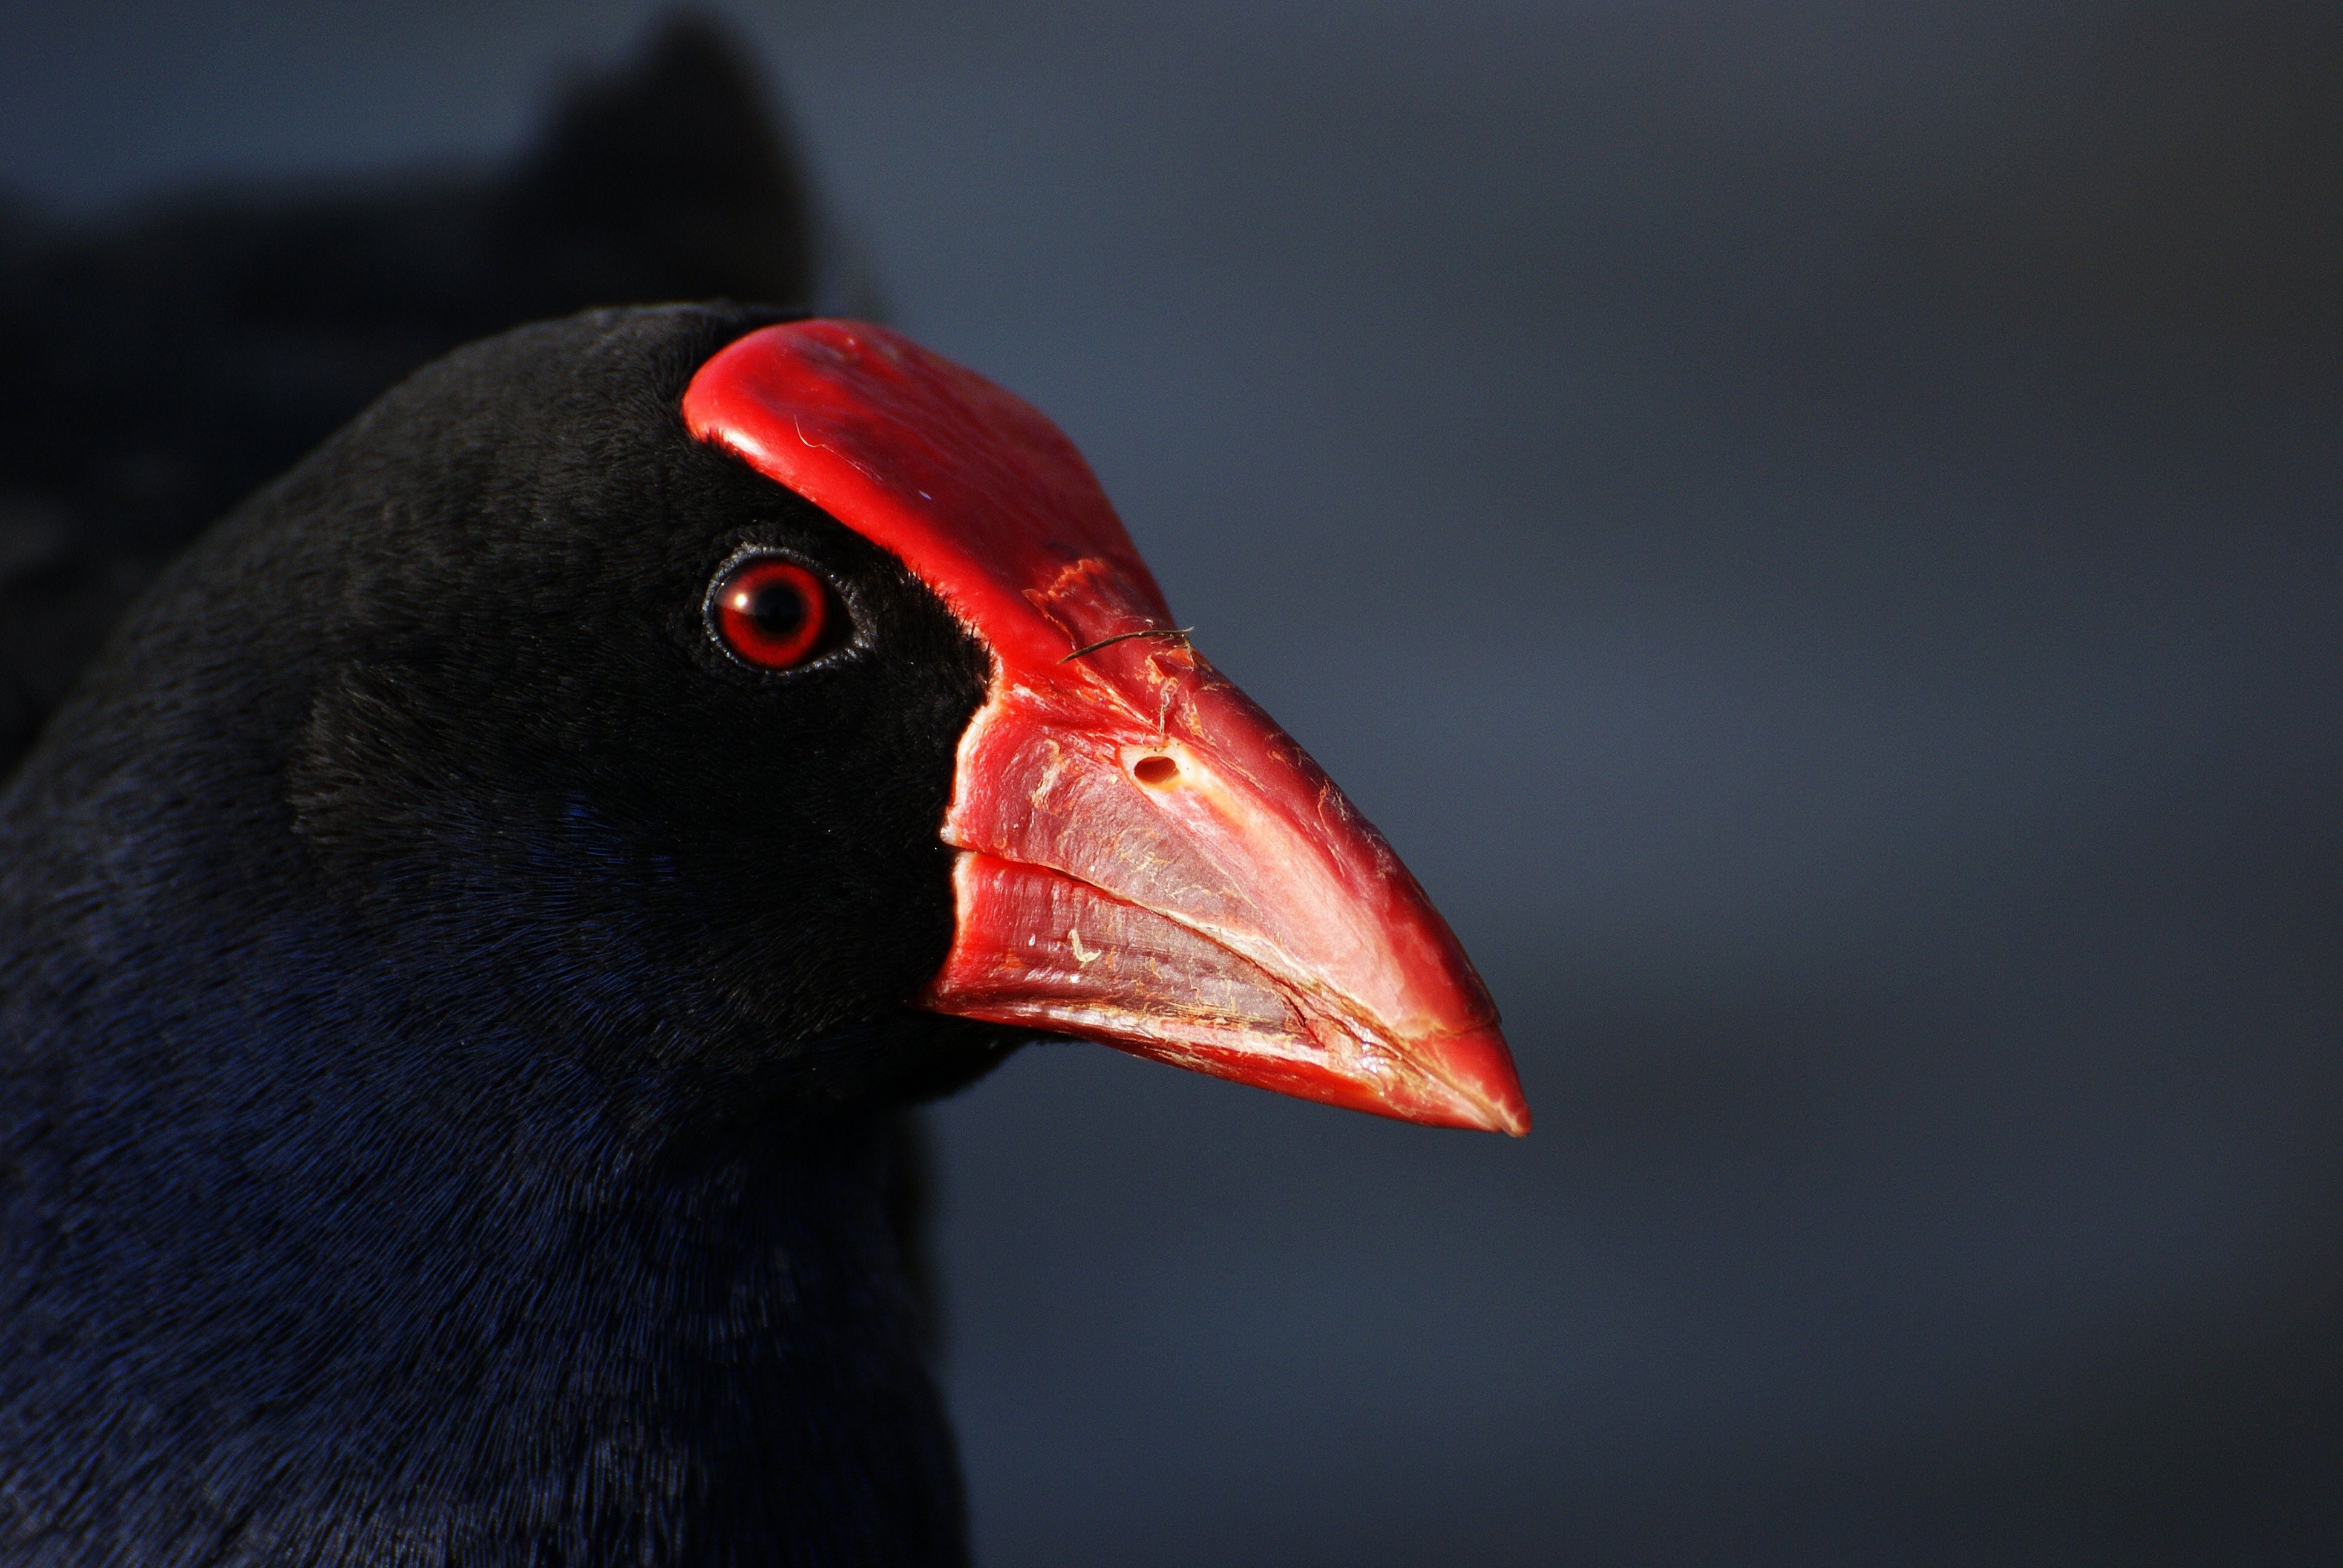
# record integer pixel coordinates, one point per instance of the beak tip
(1477, 1069)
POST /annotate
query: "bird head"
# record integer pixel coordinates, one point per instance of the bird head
(812, 687)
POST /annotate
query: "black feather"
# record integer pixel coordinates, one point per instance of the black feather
(452, 1018)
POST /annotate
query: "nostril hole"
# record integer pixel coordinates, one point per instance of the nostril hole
(1156, 771)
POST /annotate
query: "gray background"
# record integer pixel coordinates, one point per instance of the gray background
(1816, 531)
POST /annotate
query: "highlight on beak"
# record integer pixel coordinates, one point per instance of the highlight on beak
(1145, 859)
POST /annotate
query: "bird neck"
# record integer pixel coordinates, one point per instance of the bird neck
(458, 1292)
(470, 1246)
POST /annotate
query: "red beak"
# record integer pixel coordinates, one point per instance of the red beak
(1147, 860)
(1196, 890)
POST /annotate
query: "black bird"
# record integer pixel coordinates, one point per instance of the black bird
(464, 944)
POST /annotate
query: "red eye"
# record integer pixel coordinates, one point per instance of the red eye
(770, 613)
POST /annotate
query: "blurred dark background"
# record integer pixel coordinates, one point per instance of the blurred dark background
(1818, 531)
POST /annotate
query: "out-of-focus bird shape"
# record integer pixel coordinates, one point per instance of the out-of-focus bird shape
(158, 367)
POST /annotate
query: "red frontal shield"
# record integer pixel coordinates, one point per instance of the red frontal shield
(1146, 858)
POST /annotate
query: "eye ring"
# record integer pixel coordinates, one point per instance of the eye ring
(770, 613)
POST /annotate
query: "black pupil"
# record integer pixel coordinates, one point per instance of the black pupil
(779, 609)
